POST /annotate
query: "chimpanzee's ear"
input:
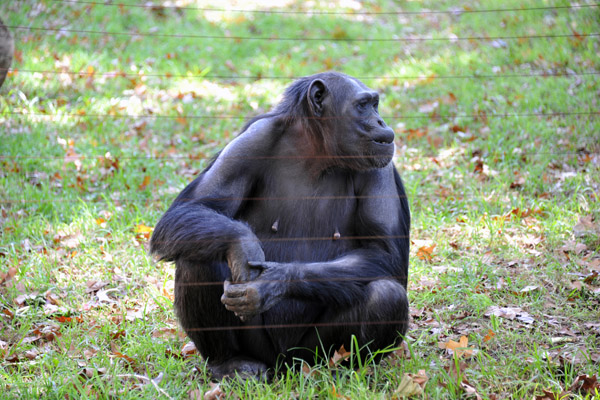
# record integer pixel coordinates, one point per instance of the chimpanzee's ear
(317, 91)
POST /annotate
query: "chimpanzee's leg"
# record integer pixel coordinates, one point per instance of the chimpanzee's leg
(220, 336)
(377, 322)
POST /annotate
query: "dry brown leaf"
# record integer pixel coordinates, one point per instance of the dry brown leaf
(518, 182)
(94, 286)
(189, 350)
(510, 313)
(403, 352)
(339, 356)
(571, 246)
(31, 354)
(469, 389)
(489, 335)
(165, 332)
(69, 241)
(586, 226)
(215, 392)
(459, 348)
(336, 395)
(144, 183)
(306, 370)
(528, 289)
(411, 385)
(548, 395)
(407, 388)
(64, 319)
(89, 353)
(586, 385)
(7, 276)
(143, 231)
(125, 357)
(426, 252)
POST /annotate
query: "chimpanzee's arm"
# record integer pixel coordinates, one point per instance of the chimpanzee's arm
(383, 228)
(199, 225)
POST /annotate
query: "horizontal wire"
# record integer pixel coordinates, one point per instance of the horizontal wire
(118, 74)
(310, 280)
(117, 157)
(318, 12)
(328, 39)
(268, 198)
(421, 116)
(296, 325)
(292, 239)
(293, 198)
(457, 196)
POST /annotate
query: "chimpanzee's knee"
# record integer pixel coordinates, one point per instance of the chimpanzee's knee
(386, 312)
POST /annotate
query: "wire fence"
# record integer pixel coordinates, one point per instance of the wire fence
(84, 74)
(463, 10)
(58, 116)
(305, 39)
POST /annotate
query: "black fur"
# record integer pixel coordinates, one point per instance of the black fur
(305, 219)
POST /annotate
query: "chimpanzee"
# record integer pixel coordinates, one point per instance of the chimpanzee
(296, 236)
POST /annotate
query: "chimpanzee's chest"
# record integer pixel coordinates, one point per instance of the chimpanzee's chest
(304, 220)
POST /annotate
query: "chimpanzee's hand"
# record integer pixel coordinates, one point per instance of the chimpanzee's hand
(255, 297)
(246, 248)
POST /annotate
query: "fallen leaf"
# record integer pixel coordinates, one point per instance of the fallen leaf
(144, 183)
(143, 231)
(510, 313)
(94, 286)
(7, 276)
(307, 371)
(528, 289)
(89, 353)
(426, 252)
(189, 349)
(403, 352)
(336, 395)
(125, 357)
(31, 354)
(215, 392)
(469, 389)
(586, 385)
(64, 319)
(518, 182)
(165, 332)
(339, 356)
(459, 348)
(411, 385)
(586, 226)
(549, 395)
(573, 247)
(489, 335)
(87, 373)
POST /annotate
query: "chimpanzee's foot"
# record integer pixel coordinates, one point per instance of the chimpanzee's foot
(245, 368)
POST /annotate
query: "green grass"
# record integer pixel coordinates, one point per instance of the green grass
(500, 167)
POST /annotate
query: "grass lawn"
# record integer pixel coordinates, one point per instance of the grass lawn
(112, 109)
